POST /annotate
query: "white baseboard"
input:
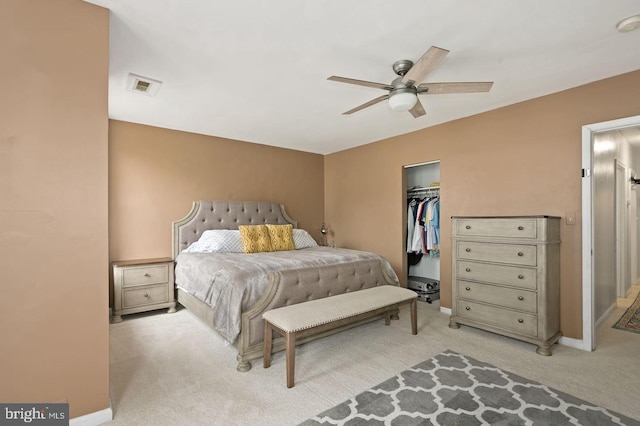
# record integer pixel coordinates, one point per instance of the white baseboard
(445, 310)
(573, 343)
(93, 419)
(606, 314)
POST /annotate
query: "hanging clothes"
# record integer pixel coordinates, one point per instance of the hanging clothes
(433, 227)
(411, 222)
(423, 226)
(417, 245)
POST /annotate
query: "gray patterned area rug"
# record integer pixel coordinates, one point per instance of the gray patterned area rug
(453, 389)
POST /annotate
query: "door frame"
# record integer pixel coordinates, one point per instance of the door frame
(588, 321)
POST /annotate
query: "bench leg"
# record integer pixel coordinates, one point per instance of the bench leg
(268, 336)
(414, 316)
(387, 318)
(290, 348)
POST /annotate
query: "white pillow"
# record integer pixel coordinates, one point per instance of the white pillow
(230, 241)
(302, 239)
(217, 241)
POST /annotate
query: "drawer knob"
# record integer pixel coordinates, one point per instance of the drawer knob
(520, 298)
(468, 288)
(520, 320)
(468, 308)
(146, 295)
(147, 274)
(520, 254)
(520, 228)
(468, 269)
(468, 227)
(467, 250)
(521, 277)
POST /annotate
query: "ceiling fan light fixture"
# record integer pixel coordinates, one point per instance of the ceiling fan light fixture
(628, 24)
(402, 100)
(404, 90)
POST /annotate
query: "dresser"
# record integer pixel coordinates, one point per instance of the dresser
(142, 285)
(506, 277)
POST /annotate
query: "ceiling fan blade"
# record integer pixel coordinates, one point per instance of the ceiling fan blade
(367, 104)
(360, 82)
(429, 61)
(444, 88)
(417, 110)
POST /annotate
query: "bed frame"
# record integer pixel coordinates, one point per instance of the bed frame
(284, 287)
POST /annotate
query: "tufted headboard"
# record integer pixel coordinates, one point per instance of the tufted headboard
(206, 215)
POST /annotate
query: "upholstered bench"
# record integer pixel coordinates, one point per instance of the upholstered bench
(316, 316)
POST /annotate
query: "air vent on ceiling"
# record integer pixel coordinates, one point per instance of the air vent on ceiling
(143, 85)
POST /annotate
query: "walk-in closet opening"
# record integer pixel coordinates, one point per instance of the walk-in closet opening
(422, 234)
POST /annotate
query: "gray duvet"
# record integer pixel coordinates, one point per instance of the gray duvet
(233, 282)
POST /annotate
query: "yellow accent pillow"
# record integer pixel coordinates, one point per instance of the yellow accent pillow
(255, 238)
(281, 237)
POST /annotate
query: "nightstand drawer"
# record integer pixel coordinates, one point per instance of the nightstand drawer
(516, 254)
(145, 275)
(150, 295)
(498, 274)
(495, 295)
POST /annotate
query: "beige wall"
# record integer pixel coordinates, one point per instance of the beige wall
(155, 174)
(53, 204)
(523, 159)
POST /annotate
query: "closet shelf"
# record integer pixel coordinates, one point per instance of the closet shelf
(424, 188)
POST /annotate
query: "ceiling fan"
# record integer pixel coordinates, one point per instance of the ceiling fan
(403, 90)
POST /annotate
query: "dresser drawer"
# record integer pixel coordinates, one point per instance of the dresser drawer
(145, 275)
(145, 296)
(503, 296)
(519, 322)
(498, 274)
(516, 254)
(498, 228)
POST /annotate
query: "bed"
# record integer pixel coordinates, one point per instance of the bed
(229, 289)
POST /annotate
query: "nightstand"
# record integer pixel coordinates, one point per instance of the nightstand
(142, 285)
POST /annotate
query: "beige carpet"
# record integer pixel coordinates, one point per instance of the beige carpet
(171, 369)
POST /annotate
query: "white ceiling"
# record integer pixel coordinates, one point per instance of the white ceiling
(257, 71)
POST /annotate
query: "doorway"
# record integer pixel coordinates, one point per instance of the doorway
(422, 230)
(599, 213)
